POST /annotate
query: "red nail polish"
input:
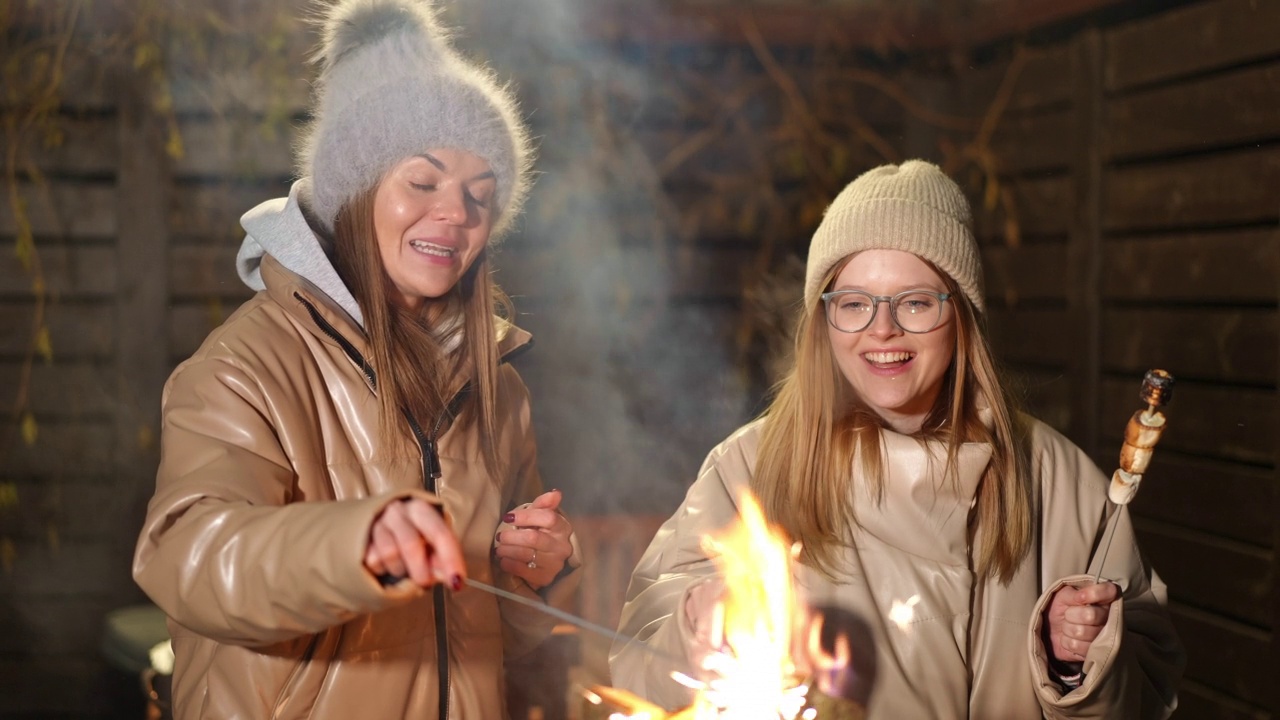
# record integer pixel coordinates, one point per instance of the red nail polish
(456, 583)
(509, 518)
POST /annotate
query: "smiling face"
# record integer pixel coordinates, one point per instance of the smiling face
(897, 374)
(433, 214)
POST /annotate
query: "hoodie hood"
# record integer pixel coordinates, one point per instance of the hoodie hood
(279, 228)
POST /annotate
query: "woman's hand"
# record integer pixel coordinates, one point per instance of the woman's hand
(699, 612)
(411, 538)
(1075, 618)
(538, 546)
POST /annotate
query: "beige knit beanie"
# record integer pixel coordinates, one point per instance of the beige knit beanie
(913, 207)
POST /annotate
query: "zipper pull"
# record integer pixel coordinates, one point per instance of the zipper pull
(434, 471)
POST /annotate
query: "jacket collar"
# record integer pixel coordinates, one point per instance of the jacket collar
(920, 495)
(294, 293)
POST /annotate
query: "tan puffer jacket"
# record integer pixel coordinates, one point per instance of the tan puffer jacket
(271, 474)
(972, 648)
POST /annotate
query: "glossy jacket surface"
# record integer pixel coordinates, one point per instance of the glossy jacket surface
(971, 648)
(270, 477)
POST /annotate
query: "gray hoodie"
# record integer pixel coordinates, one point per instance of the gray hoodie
(279, 228)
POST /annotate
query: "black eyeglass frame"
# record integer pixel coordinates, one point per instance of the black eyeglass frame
(893, 308)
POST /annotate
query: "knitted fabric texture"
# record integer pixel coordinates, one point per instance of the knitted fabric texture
(912, 207)
(391, 86)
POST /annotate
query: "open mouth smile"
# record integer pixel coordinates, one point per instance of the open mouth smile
(886, 360)
(430, 248)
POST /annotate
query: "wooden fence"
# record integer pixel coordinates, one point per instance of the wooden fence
(1148, 158)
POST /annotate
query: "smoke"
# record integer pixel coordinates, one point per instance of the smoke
(633, 382)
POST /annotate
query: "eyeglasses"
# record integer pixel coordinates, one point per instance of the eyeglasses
(915, 311)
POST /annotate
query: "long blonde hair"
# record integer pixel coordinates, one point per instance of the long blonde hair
(816, 425)
(417, 354)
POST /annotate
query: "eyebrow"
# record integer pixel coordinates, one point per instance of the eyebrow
(901, 289)
(443, 168)
(433, 160)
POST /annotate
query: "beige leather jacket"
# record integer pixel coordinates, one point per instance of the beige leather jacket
(270, 477)
(972, 648)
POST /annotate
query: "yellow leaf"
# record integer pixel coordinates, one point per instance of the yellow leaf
(39, 62)
(54, 138)
(796, 161)
(748, 219)
(163, 101)
(43, 345)
(8, 495)
(214, 312)
(1012, 231)
(25, 247)
(144, 55)
(22, 250)
(30, 431)
(992, 195)
(1012, 234)
(8, 555)
(174, 148)
(145, 437)
(839, 160)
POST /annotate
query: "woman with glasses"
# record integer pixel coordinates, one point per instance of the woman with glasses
(961, 532)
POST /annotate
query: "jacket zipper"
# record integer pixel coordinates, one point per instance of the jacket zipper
(431, 473)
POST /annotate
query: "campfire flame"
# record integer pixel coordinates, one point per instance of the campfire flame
(753, 675)
(751, 671)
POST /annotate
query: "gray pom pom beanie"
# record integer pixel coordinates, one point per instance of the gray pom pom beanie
(390, 87)
(913, 207)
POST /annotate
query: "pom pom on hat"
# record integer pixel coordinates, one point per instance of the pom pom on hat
(391, 86)
(912, 207)
(353, 24)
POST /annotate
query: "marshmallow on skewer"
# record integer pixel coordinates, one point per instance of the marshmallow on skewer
(1140, 437)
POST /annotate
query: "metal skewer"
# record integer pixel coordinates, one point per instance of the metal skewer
(575, 621)
(1111, 533)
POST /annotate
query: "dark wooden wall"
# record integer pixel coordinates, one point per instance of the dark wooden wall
(1146, 162)
(137, 250)
(76, 482)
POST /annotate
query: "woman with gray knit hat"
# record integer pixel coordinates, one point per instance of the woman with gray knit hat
(892, 453)
(352, 444)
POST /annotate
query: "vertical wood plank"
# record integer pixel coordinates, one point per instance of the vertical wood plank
(1275, 565)
(142, 297)
(1084, 244)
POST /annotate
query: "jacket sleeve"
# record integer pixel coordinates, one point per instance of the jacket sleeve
(1132, 669)
(523, 627)
(653, 616)
(225, 550)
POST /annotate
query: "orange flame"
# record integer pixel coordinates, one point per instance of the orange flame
(752, 674)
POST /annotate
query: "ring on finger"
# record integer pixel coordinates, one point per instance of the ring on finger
(533, 561)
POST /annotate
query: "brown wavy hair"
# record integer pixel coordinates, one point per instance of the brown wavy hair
(417, 354)
(815, 426)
